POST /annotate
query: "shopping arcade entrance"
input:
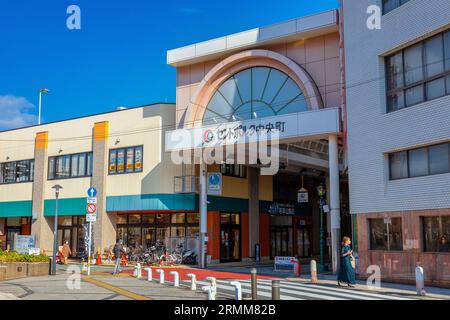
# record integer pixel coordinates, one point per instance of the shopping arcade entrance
(321, 127)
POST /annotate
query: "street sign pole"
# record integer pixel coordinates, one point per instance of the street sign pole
(90, 210)
(89, 249)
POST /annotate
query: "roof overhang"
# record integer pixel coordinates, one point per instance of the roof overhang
(292, 30)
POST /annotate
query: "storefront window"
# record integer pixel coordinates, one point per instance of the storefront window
(134, 219)
(162, 218)
(192, 231)
(193, 218)
(178, 218)
(134, 237)
(65, 220)
(127, 160)
(177, 232)
(436, 234)
(169, 229)
(121, 219)
(386, 234)
(122, 235)
(148, 218)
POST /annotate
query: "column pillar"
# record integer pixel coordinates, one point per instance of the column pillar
(41, 226)
(203, 205)
(105, 226)
(334, 201)
(253, 209)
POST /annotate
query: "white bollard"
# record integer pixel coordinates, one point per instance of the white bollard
(84, 267)
(420, 281)
(161, 275)
(149, 274)
(138, 271)
(212, 280)
(193, 281)
(176, 278)
(211, 292)
(213, 286)
(237, 290)
(313, 271)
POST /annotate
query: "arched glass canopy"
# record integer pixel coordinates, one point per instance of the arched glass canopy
(256, 92)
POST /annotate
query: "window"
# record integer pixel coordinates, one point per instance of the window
(252, 93)
(419, 73)
(233, 170)
(399, 165)
(17, 171)
(418, 162)
(125, 160)
(386, 234)
(389, 5)
(436, 234)
(147, 229)
(70, 166)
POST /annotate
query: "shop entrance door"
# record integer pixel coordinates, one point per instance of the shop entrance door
(10, 232)
(64, 234)
(230, 237)
(281, 242)
(303, 243)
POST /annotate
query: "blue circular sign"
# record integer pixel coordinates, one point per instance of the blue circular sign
(92, 192)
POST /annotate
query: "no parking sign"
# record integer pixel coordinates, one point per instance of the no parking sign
(91, 208)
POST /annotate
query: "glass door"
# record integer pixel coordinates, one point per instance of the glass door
(230, 237)
(64, 234)
(303, 243)
(11, 231)
(281, 242)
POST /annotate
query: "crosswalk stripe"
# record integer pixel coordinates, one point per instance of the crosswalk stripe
(244, 290)
(332, 292)
(265, 290)
(350, 292)
(316, 294)
(321, 292)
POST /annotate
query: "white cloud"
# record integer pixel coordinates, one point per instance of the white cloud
(15, 112)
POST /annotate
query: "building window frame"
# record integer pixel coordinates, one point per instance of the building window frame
(158, 224)
(408, 162)
(387, 230)
(30, 170)
(437, 246)
(398, 3)
(424, 82)
(53, 160)
(113, 167)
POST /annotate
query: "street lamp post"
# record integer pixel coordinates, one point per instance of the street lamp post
(41, 91)
(321, 191)
(55, 228)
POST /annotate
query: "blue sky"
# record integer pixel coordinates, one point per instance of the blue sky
(118, 58)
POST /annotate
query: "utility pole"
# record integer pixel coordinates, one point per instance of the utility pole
(203, 214)
(55, 228)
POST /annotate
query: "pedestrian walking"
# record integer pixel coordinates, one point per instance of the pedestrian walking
(118, 250)
(347, 270)
(66, 252)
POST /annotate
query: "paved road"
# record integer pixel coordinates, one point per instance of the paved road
(307, 291)
(101, 285)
